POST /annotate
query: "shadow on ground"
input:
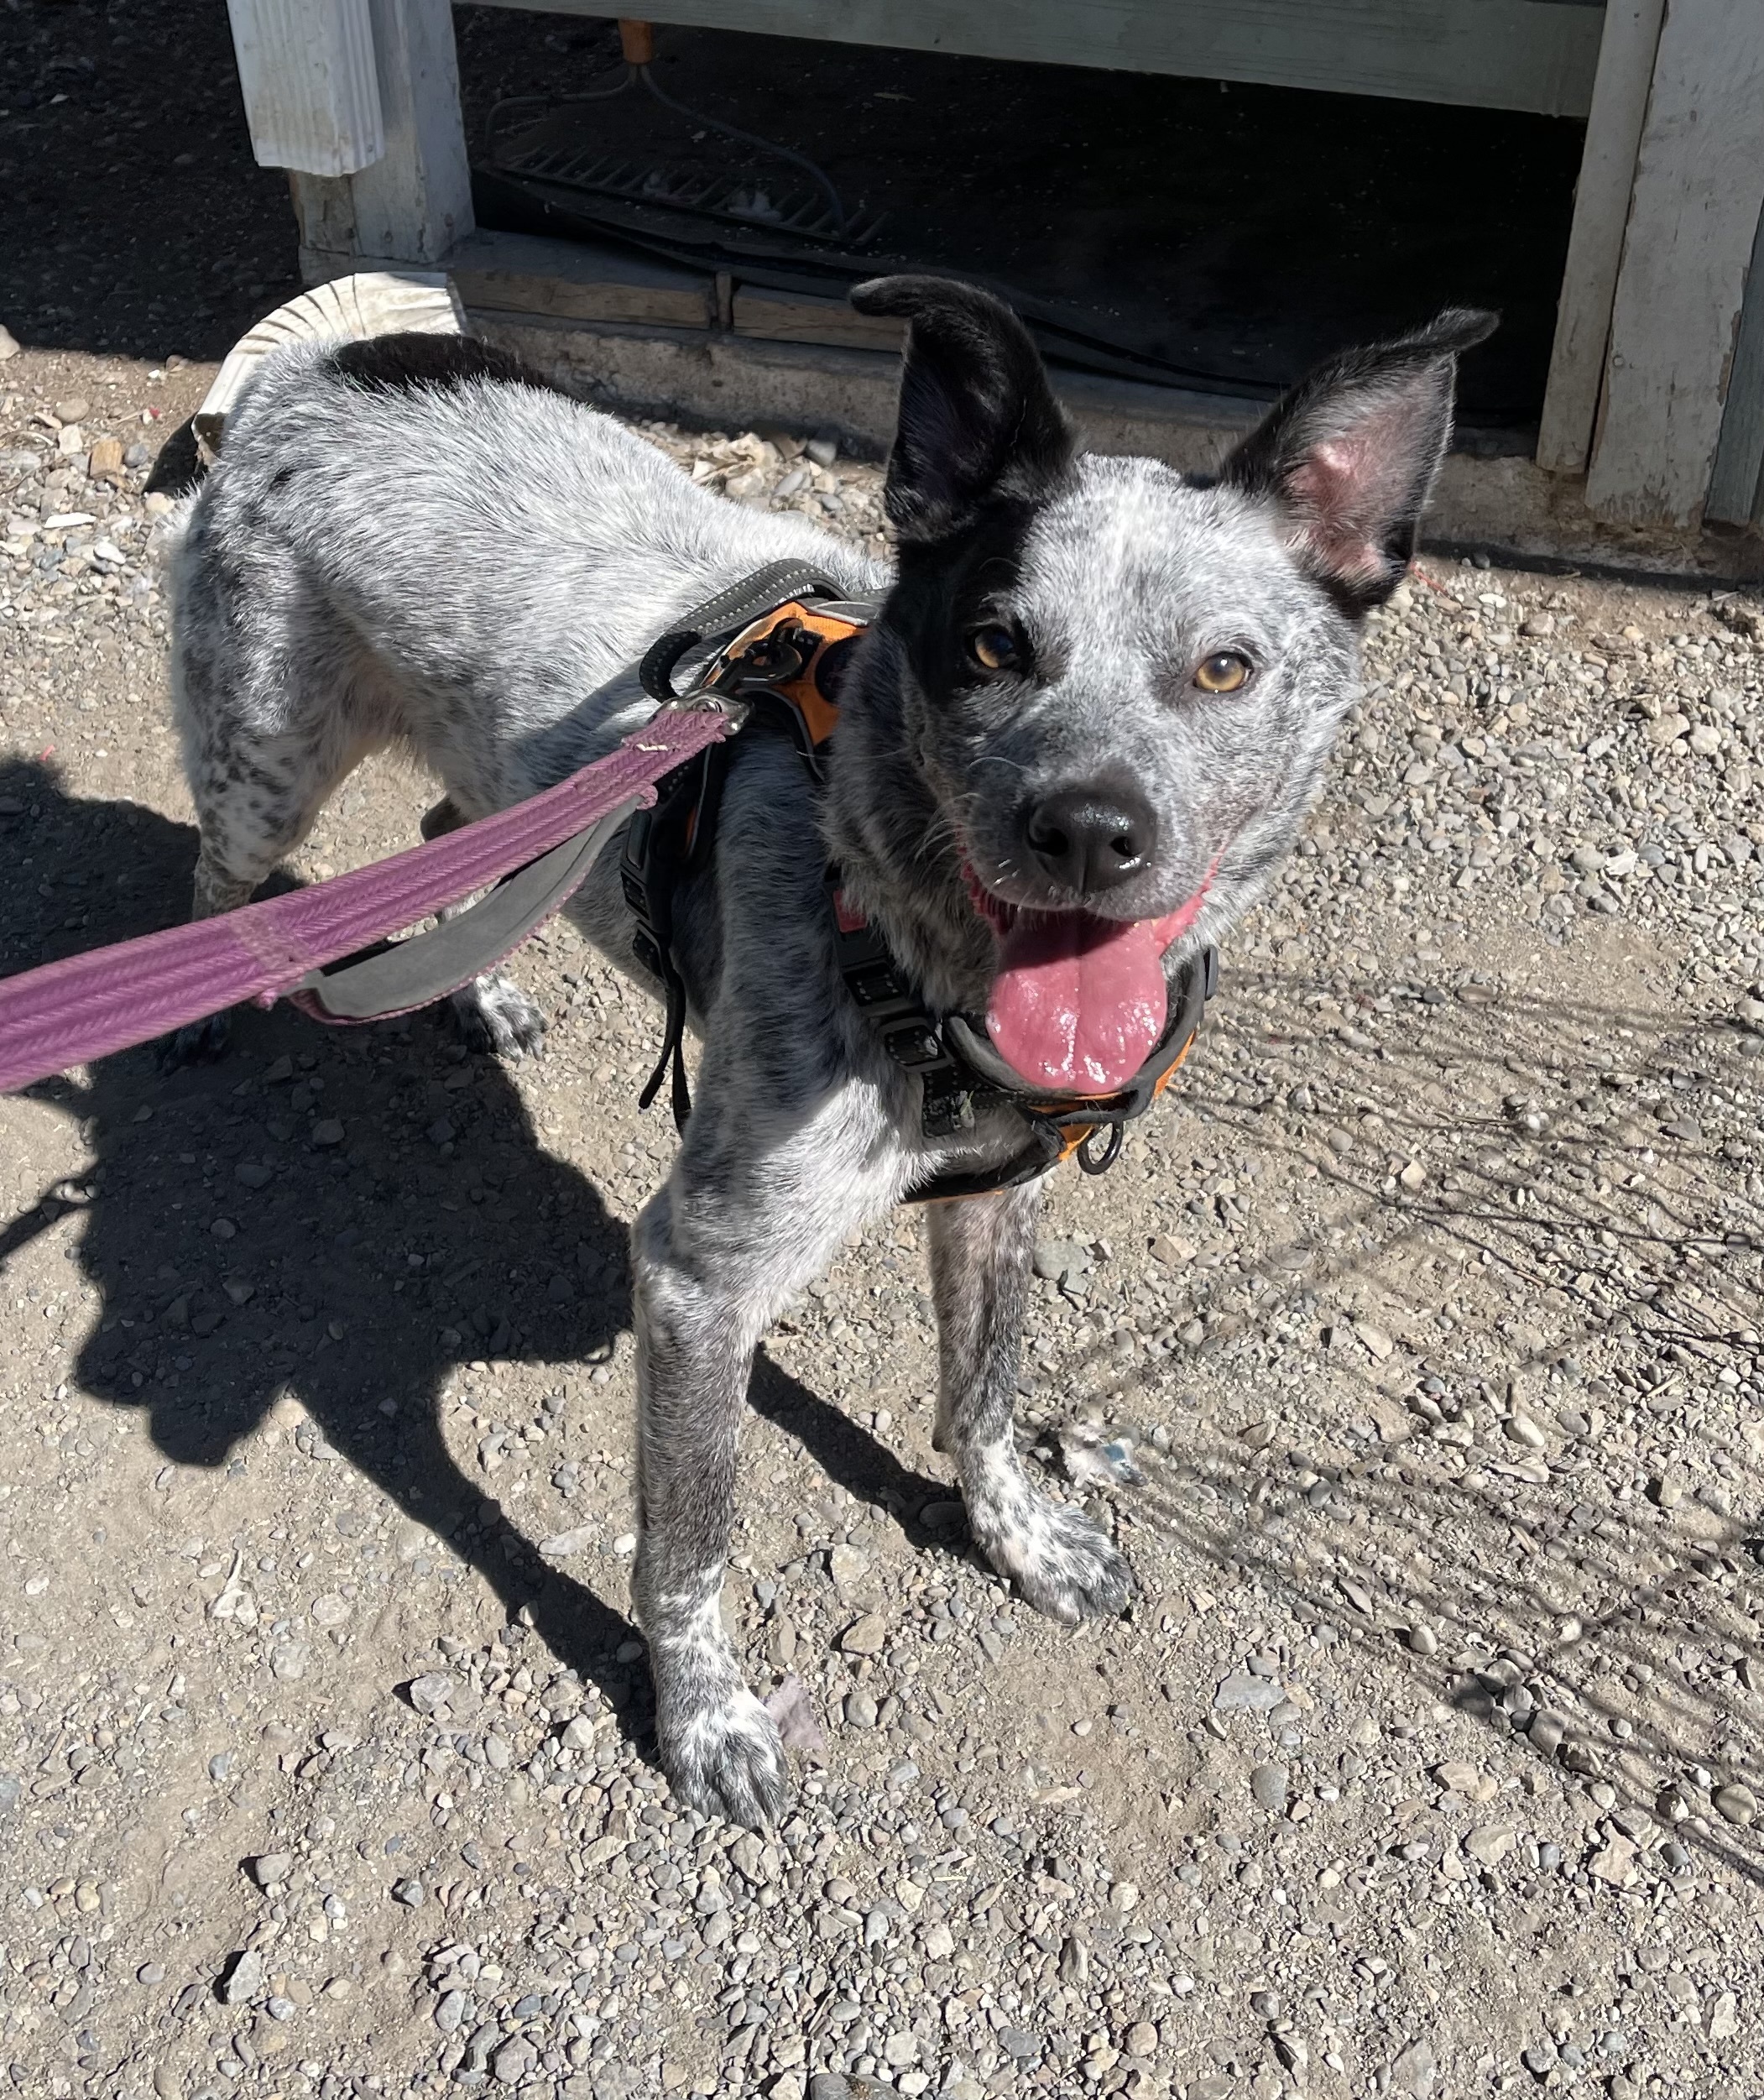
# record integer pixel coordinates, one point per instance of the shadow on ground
(1591, 1192)
(375, 1266)
(137, 222)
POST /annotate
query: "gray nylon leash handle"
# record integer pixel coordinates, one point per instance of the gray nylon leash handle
(428, 966)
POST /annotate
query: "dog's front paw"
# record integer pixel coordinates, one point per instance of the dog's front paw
(493, 1015)
(200, 1044)
(725, 1759)
(1060, 1561)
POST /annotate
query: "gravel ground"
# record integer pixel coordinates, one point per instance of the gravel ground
(1426, 1761)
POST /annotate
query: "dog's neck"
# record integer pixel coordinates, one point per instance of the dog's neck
(894, 838)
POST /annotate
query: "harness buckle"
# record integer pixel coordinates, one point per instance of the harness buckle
(709, 699)
(917, 1046)
(947, 1108)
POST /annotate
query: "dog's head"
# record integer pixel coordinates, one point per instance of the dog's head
(1120, 682)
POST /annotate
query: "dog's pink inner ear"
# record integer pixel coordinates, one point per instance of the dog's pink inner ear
(1348, 490)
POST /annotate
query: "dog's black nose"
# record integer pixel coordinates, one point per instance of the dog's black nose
(1090, 839)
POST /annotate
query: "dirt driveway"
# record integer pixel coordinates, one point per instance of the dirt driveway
(1428, 1757)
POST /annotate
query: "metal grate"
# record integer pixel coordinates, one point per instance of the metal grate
(799, 212)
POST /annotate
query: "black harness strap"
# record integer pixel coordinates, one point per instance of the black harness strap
(663, 843)
(950, 1056)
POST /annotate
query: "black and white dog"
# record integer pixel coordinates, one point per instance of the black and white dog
(1082, 730)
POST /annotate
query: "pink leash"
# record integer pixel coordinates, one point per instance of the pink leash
(88, 1006)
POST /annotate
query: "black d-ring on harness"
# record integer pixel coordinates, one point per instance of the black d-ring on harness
(781, 673)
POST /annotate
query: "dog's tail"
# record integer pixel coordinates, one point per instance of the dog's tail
(178, 475)
(165, 540)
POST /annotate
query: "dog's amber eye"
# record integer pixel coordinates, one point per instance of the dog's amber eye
(1222, 673)
(994, 648)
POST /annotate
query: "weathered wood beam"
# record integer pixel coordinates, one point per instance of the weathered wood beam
(1596, 242)
(1699, 185)
(1736, 488)
(311, 92)
(415, 202)
(1536, 55)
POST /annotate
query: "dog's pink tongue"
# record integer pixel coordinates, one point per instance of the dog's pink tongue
(1079, 1002)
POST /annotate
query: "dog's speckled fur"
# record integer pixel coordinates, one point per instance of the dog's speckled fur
(410, 541)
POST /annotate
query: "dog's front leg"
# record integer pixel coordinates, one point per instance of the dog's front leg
(697, 1329)
(981, 1251)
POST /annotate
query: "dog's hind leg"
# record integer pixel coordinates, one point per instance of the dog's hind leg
(492, 1013)
(981, 1251)
(252, 812)
(268, 735)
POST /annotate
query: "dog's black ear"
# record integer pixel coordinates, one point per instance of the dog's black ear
(1350, 453)
(979, 422)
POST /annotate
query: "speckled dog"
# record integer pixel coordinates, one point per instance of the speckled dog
(1081, 732)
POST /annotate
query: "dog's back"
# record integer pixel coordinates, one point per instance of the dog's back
(490, 551)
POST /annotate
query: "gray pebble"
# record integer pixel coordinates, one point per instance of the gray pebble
(243, 1978)
(1268, 1783)
(1413, 2069)
(1547, 1733)
(432, 1691)
(1736, 1803)
(1245, 1692)
(1055, 1259)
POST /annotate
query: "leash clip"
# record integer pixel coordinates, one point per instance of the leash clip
(709, 699)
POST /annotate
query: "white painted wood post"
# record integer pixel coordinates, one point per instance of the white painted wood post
(1595, 243)
(1699, 184)
(415, 201)
(312, 96)
(1736, 488)
(414, 204)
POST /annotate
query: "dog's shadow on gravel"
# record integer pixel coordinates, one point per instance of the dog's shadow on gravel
(245, 1253)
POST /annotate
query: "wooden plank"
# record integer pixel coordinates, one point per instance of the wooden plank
(1736, 488)
(312, 97)
(415, 201)
(574, 280)
(1595, 243)
(324, 214)
(776, 316)
(1699, 185)
(1535, 55)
